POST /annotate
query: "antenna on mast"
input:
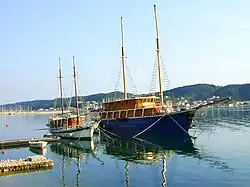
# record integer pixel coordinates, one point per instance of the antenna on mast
(158, 54)
(60, 82)
(76, 94)
(122, 57)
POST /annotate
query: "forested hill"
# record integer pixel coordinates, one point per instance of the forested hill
(239, 92)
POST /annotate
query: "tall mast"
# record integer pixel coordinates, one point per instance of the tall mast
(122, 57)
(158, 54)
(76, 95)
(60, 82)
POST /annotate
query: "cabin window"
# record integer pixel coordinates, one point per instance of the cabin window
(116, 115)
(123, 114)
(138, 112)
(131, 113)
(110, 115)
(103, 115)
(148, 112)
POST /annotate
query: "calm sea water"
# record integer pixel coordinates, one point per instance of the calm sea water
(219, 156)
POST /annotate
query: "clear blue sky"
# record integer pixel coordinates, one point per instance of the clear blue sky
(201, 42)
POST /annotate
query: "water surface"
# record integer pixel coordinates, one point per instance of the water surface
(219, 156)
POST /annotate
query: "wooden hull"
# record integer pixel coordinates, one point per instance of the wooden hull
(83, 133)
(167, 125)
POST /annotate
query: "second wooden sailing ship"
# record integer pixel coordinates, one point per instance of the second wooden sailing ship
(70, 124)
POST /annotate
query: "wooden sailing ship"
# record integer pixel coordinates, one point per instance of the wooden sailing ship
(70, 124)
(144, 117)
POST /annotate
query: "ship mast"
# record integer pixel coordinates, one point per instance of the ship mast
(158, 54)
(76, 95)
(60, 82)
(122, 57)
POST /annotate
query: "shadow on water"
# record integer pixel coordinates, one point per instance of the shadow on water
(145, 153)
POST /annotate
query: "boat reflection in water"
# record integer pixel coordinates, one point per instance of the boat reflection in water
(83, 145)
(73, 149)
(38, 151)
(145, 153)
(137, 152)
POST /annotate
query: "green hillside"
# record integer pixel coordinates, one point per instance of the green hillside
(195, 92)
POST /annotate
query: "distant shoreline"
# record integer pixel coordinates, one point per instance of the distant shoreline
(30, 113)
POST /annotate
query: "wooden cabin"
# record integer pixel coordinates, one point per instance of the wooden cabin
(132, 103)
(66, 122)
(134, 107)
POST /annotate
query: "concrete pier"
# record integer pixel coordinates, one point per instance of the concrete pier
(24, 142)
(29, 164)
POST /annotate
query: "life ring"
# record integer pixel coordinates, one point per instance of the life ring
(158, 109)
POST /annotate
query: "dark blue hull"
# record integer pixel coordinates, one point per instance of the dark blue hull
(176, 124)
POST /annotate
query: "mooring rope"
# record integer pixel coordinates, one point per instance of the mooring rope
(91, 126)
(105, 133)
(178, 124)
(148, 127)
(80, 135)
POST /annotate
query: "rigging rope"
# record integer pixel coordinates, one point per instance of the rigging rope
(80, 98)
(118, 82)
(165, 75)
(152, 88)
(57, 93)
(71, 95)
(131, 80)
(166, 82)
(117, 85)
